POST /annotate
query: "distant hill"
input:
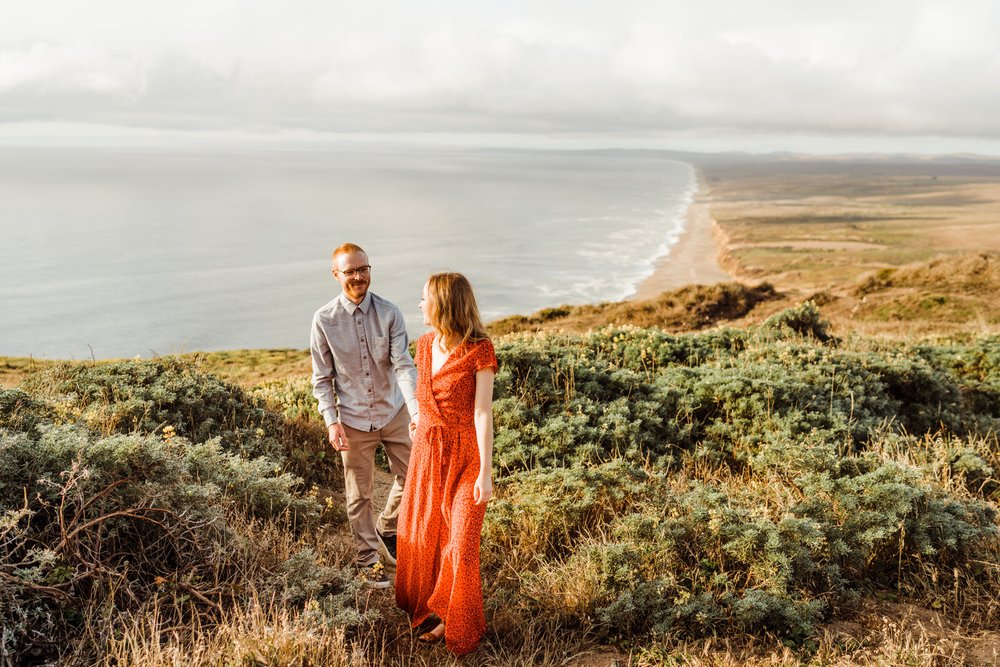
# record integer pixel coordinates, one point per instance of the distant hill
(687, 309)
(943, 296)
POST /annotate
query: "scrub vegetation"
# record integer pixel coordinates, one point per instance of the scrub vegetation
(771, 494)
(950, 296)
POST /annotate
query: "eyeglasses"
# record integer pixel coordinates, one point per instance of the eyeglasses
(359, 271)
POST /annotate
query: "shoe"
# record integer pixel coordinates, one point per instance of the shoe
(373, 575)
(388, 543)
(432, 637)
(429, 623)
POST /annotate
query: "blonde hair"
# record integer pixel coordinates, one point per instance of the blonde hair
(453, 311)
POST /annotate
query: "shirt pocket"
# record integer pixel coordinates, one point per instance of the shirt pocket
(380, 348)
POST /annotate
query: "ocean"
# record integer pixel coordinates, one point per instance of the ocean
(117, 253)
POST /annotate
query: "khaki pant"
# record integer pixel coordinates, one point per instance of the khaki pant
(359, 472)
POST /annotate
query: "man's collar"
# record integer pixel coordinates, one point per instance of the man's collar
(350, 306)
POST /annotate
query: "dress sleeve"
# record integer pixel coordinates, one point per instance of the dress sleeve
(423, 347)
(485, 356)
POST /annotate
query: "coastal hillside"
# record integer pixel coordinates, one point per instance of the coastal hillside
(951, 295)
(764, 494)
(809, 223)
(686, 309)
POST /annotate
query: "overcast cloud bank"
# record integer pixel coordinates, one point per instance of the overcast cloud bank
(620, 72)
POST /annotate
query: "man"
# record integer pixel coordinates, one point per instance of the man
(365, 382)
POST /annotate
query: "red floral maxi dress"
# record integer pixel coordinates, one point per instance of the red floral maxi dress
(437, 548)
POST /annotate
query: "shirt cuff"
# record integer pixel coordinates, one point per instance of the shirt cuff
(330, 417)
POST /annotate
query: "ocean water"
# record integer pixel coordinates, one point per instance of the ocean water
(111, 253)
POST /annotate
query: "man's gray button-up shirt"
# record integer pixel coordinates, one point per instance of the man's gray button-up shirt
(362, 369)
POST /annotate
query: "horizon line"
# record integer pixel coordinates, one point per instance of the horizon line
(46, 134)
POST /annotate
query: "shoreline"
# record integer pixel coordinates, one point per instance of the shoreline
(694, 259)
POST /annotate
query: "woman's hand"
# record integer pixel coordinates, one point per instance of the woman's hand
(483, 490)
(413, 425)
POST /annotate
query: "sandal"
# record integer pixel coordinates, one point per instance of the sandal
(432, 637)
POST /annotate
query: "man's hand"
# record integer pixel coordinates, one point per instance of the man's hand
(413, 425)
(338, 439)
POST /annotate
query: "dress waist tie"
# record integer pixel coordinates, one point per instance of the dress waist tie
(440, 450)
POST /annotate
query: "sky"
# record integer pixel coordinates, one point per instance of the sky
(714, 75)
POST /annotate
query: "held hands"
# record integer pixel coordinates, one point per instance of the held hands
(338, 439)
(483, 489)
(413, 425)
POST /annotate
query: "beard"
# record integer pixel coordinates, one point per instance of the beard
(357, 289)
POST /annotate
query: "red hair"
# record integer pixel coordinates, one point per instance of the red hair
(347, 249)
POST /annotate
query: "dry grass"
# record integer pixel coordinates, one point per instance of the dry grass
(951, 296)
(253, 367)
(879, 634)
(945, 297)
(267, 633)
(244, 367)
(264, 633)
(806, 224)
(14, 369)
(687, 309)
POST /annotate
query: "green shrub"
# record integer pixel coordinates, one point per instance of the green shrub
(545, 511)
(141, 485)
(640, 553)
(306, 446)
(146, 396)
(20, 411)
(734, 481)
(276, 420)
(647, 395)
(803, 320)
(117, 523)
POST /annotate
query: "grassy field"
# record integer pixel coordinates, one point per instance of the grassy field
(811, 224)
(245, 367)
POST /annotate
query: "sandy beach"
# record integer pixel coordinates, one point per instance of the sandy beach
(819, 227)
(693, 260)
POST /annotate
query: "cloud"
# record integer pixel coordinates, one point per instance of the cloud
(891, 67)
(48, 69)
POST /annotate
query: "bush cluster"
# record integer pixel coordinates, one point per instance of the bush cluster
(753, 480)
(145, 396)
(647, 395)
(738, 480)
(625, 550)
(138, 485)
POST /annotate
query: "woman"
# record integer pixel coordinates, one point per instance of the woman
(450, 478)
